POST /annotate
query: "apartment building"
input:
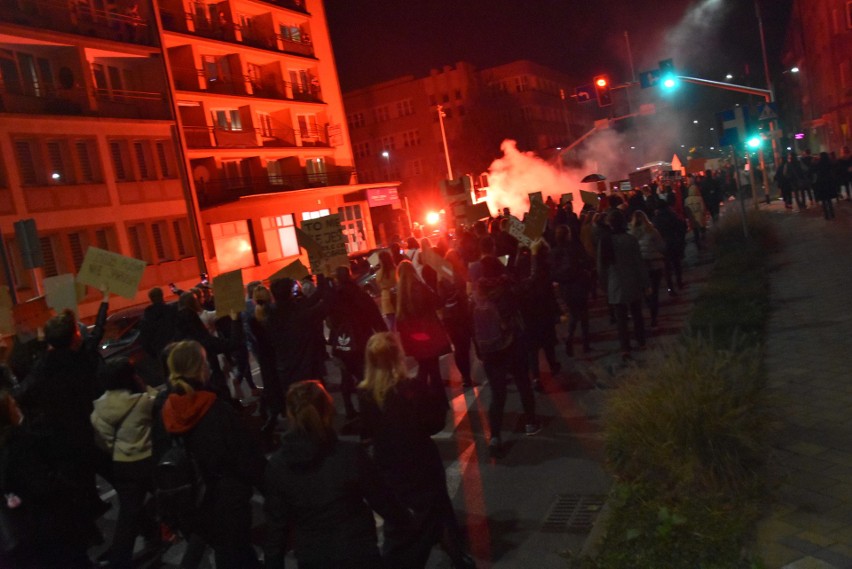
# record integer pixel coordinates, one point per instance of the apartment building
(817, 97)
(396, 131)
(88, 144)
(192, 134)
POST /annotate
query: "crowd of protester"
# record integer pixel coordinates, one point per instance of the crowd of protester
(66, 416)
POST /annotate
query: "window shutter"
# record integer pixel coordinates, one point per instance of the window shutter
(26, 164)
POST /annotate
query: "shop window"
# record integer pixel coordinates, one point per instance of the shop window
(354, 228)
(279, 234)
(232, 244)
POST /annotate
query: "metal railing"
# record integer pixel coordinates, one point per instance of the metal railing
(215, 192)
(75, 17)
(286, 137)
(192, 79)
(25, 98)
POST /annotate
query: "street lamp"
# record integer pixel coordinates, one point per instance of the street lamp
(386, 156)
(441, 115)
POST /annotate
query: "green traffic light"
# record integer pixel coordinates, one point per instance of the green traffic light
(753, 142)
(669, 81)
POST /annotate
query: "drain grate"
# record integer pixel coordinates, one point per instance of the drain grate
(573, 513)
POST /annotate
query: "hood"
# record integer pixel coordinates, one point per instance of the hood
(299, 451)
(182, 412)
(114, 405)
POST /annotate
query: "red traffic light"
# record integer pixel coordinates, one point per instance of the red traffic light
(601, 81)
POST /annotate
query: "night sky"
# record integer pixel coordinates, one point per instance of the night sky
(376, 40)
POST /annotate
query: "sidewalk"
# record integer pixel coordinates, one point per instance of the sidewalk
(807, 360)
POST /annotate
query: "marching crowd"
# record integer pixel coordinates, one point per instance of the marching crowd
(184, 461)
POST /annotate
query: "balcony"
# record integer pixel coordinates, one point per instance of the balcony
(217, 192)
(215, 137)
(78, 18)
(24, 98)
(295, 5)
(189, 23)
(190, 79)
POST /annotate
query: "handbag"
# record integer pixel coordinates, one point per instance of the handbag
(423, 338)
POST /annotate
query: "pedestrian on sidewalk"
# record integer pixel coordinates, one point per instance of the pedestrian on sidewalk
(825, 188)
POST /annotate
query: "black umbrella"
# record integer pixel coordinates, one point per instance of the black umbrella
(593, 178)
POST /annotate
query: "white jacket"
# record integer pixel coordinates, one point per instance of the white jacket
(122, 422)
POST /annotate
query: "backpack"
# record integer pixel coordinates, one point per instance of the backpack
(491, 331)
(179, 487)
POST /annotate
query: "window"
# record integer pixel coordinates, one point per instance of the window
(162, 244)
(411, 138)
(354, 228)
(138, 239)
(105, 239)
(355, 120)
(228, 119)
(274, 174)
(316, 170)
(232, 244)
(388, 143)
(118, 154)
(521, 83)
(308, 127)
(381, 114)
(77, 243)
(362, 150)
(404, 108)
(163, 154)
(26, 162)
(48, 252)
(140, 150)
(265, 122)
(279, 234)
(415, 167)
(290, 33)
(315, 214)
(182, 237)
(56, 163)
(217, 70)
(86, 166)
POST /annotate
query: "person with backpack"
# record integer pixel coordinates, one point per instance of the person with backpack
(455, 314)
(352, 318)
(122, 421)
(498, 339)
(325, 490)
(204, 480)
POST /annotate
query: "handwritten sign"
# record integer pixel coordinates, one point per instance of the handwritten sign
(30, 316)
(60, 292)
(121, 275)
(229, 293)
(327, 233)
(439, 264)
(477, 211)
(589, 198)
(295, 270)
(536, 197)
(536, 220)
(516, 230)
(566, 198)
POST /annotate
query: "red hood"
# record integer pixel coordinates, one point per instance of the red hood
(182, 412)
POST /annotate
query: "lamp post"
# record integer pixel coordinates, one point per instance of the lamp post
(386, 156)
(441, 116)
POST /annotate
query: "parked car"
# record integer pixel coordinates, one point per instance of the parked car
(122, 338)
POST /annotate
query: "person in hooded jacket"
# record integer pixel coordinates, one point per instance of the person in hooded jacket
(540, 312)
(325, 489)
(229, 460)
(122, 420)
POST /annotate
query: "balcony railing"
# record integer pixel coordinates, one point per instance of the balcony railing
(215, 137)
(296, 5)
(189, 23)
(25, 98)
(78, 18)
(225, 190)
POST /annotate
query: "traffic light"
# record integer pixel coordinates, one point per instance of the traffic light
(754, 142)
(668, 75)
(601, 83)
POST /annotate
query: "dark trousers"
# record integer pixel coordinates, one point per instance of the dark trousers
(635, 310)
(653, 299)
(799, 195)
(674, 268)
(578, 313)
(498, 368)
(429, 373)
(460, 338)
(132, 482)
(827, 208)
(351, 375)
(533, 348)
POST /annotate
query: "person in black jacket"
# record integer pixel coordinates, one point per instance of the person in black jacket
(325, 489)
(673, 230)
(353, 317)
(157, 324)
(230, 463)
(399, 416)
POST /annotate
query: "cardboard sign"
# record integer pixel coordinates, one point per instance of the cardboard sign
(477, 211)
(229, 293)
(295, 270)
(7, 321)
(119, 274)
(327, 233)
(566, 198)
(536, 220)
(516, 230)
(589, 198)
(536, 197)
(30, 317)
(439, 264)
(60, 292)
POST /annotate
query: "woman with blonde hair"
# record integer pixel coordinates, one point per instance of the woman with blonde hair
(399, 416)
(324, 487)
(213, 434)
(420, 330)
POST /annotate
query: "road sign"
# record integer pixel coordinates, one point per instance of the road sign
(733, 125)
(648, 79)
(585, 93)
(767, 112)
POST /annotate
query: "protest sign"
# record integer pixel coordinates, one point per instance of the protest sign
(566, 198)
(30, 316)
(60, 292)
(536, 197)
(477, 211)
(7, 322)
(119, 274)
(295, 270)
(589, 198)
(438, 263)
(536, 220)
(327, 233)
(229, 293)
(516, 230)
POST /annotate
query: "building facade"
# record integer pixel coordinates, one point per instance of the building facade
(817, 99)
(396, 131)
(194, 135)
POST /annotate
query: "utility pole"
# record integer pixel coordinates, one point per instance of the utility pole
(441, 116)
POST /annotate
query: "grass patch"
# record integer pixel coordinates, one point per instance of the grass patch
(686, 434)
